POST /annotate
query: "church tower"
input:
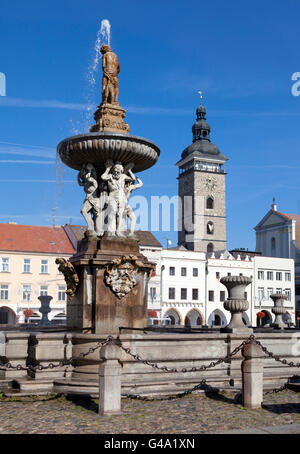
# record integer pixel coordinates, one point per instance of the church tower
(201, 187)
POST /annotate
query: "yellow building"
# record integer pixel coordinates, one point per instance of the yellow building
(28, 270)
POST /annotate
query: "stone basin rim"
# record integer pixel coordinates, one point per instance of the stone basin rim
(107, 135)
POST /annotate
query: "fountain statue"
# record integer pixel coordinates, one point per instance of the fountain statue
(112, 273)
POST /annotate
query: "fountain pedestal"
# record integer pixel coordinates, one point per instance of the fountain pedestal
(112, 291)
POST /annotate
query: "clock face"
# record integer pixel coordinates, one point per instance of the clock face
(211, 183)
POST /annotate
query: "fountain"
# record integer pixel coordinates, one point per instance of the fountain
(278, 310)
(107, 278)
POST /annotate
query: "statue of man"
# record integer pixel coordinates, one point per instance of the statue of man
(87, 177)
(116, 179)
(129, 187)
(111, 69)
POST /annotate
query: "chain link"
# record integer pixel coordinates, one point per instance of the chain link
(201, 385)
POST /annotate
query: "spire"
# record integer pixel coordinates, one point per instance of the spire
(274, 205)
(201, 129)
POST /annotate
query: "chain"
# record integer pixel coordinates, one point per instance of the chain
(276, 357)
(201, 385)
(61, 363)
(183, 370)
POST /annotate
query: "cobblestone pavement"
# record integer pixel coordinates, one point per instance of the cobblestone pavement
(193, 414)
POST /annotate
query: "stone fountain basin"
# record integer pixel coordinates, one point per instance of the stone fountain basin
(98, 147)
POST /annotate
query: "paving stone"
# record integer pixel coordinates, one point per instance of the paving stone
(193, 414)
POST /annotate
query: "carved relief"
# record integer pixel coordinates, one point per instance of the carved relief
(70, 275)
(121, 275)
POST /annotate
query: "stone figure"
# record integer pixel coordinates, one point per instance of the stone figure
(70, 275)
(87, 177)
(116, 179)
(110, 81)
(129, 187)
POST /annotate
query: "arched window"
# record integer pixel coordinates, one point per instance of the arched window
(210, 247)
(273, 247)
(209, 203)
(210, 228)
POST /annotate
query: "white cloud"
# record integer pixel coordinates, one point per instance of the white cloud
(42, 104)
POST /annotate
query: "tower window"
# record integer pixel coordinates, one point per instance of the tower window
(210, 203)
(210, 247)
(210, 228)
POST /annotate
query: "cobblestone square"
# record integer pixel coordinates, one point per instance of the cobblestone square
(194, 414)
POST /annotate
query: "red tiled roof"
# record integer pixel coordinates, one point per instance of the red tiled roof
(31, 238)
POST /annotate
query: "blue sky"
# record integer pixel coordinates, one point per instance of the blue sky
(241, 54)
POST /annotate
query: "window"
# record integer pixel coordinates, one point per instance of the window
(44, 266)
(270, 292)
(217, 275)
(287, 276)
(210, 228)
(279, 290)
(27, 266)
(222, 295)
(195, 272)
(261, 293)
(172, 271)
(4, 291)
(273, 247)
(228, 274)
(62, 293)
(195, 294)
(210, 247)
(183, 293)
(183, 271)
(153, 293)
(288, 293)
(5, 265)
(278, 276)
(44, 290)
(171, 293)
(260, 275)
(270, 275)
(209, 203)
(210, 295)
(26, 292)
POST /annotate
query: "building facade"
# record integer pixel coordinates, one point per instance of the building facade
(190, 291)
(28, 270)
(278, 235)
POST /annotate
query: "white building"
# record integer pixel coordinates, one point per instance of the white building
(278, 235)
(188, 285)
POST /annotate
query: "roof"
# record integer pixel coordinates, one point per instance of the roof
(32, 238)
(76, 233)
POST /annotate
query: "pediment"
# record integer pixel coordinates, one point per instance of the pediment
(270, 219)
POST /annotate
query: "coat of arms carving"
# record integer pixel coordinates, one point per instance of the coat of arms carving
(121, 275)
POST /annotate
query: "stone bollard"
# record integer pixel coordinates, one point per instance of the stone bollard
(110, 380)
(252, 375)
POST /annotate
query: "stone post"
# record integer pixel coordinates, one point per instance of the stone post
(252, 375)
(236, 303)
(278, 310)
(110, 380)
